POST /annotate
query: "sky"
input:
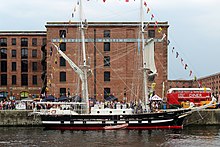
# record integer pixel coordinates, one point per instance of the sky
(193, 25)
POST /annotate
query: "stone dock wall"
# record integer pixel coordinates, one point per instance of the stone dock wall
(18, 118)
(204, 117)
(23, 118)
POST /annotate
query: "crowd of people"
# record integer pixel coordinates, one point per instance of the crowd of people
(7, 105)
(136, 105)
(16, 104)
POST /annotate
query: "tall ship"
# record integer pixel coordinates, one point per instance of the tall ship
(82, 116)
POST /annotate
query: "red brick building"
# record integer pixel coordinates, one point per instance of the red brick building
(20, 72)
(114, 56)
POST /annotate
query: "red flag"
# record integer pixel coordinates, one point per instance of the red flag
(152, 16)
(155, 27)
(148, 10)
(104, 0)
(126, 0)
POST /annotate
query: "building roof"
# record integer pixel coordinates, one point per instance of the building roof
(107, 24)
(22, 33)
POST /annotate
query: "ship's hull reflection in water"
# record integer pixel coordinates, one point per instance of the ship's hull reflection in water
(37, 136)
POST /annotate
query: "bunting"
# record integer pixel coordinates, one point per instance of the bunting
(156, 28)
(185, 65)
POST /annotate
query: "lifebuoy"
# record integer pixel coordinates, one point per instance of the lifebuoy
(53, 111)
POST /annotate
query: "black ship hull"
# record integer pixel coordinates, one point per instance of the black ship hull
(161, 120)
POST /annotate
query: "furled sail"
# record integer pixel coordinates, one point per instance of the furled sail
(149, 57)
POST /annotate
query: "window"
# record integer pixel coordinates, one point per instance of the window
(107, 92)
(62, 76)
(14, 80)
(24, 53)
(24, 66)
(62, 91)
(107, 61)
(34, 53)
(3, 41)
(3, 53)
(62, 33)
(24, 42)
(107, 76)
(34, 66)
(63, 46)
(34, 79)
(3, 79)
(62, 61)
(44, 41)
(106, 46)
(13, 66)
(151, 33)
(3, 66)
(13, 53)
(106, 33)
(24, 79)
(34, 41)
(13, 41)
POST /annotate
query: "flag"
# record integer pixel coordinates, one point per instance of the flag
(195, 78)
(152, 16)
(168, 42)
(148, 10)
(104, 0)
(155, 26)
(126, 0)
(190, 73)
(186, 66)
(160, 30)
(177, 54)
(182, 61)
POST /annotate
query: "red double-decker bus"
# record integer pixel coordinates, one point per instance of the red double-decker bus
(181, 97)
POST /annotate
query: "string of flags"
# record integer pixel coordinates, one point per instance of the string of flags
(156, 28)
(185, 65)
(148, 11)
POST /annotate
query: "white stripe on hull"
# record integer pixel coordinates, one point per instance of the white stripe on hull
(160, 121)
(106, 122)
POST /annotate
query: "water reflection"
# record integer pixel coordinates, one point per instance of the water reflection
(189, 136)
